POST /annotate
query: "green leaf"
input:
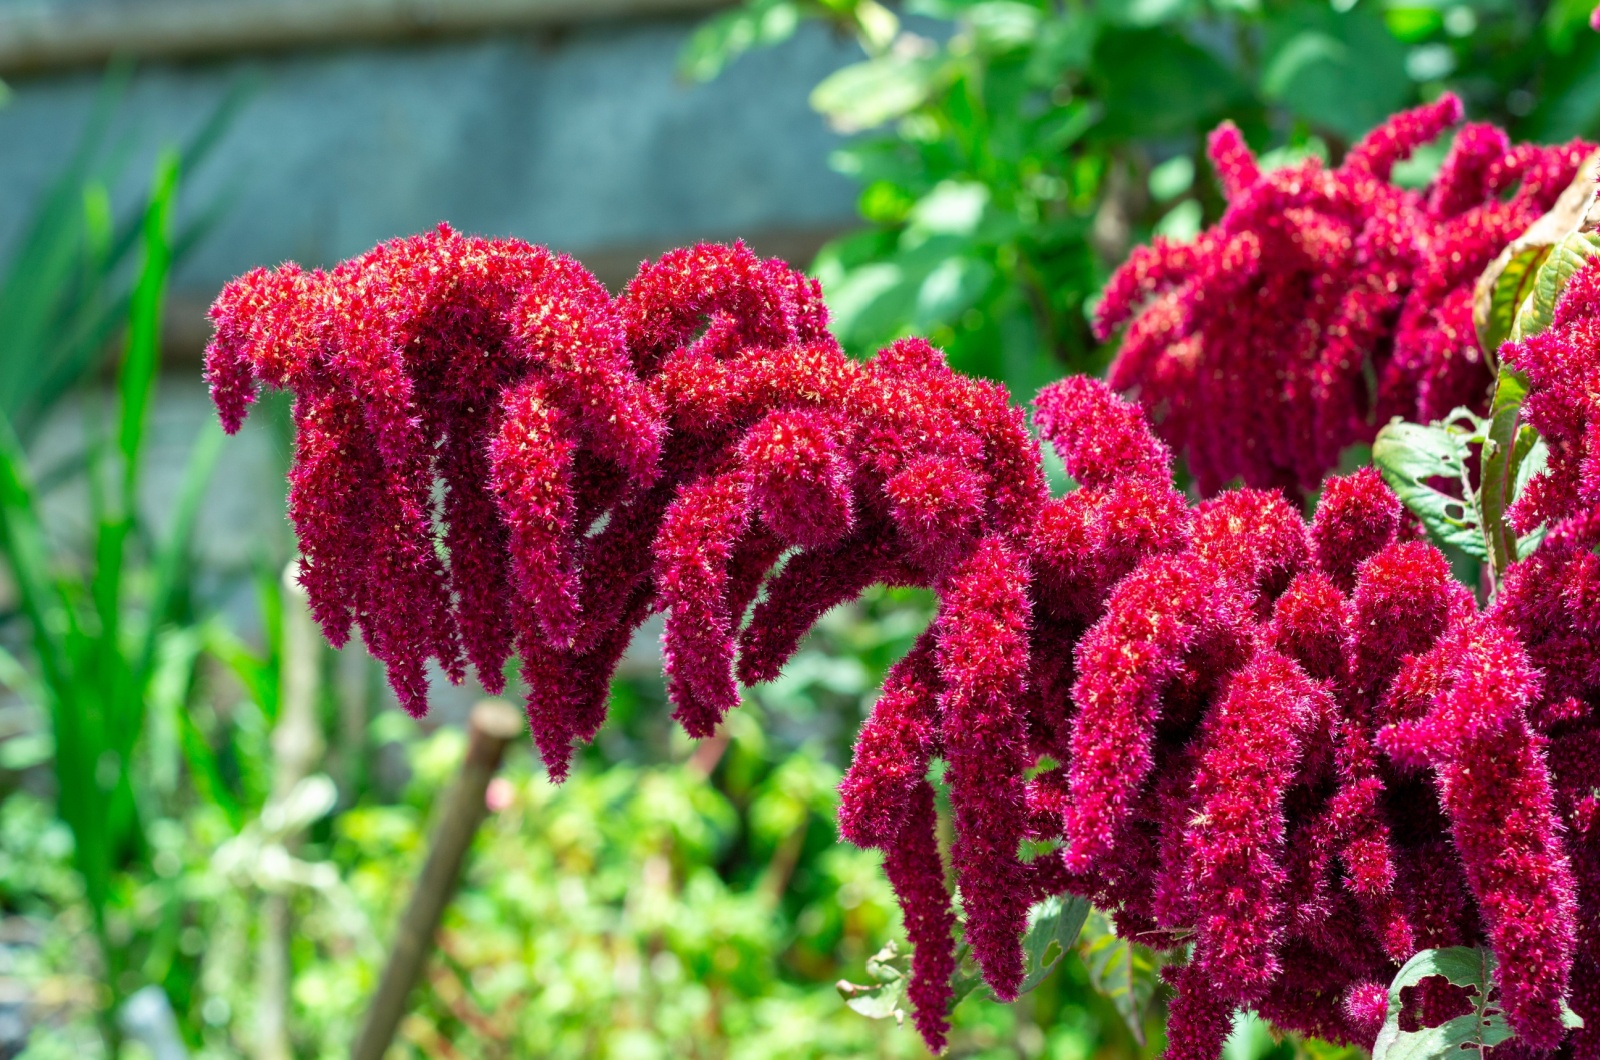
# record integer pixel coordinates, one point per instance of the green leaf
(865, 95)
(724, 37)
(170, 560)
(1155, 83)
(953, 207)
(1121, 970)
(1538, 309)
(1532, 457)
(1505, 445)
(1481, 1029)
(1512, 281)
(1503, 293)
(885, 996)
(1053, 929)
(1409, 455)
(952, 286)
(1339, 71)
(1003, 25)
(137, 376)
(966, 978)
(1302, 51)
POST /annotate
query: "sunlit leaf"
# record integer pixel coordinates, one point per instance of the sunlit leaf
(724, 37)
(865, 95)
(1001, 25)
(1410, 456)
(951, 208)
(1122, 970)
(1550, 280)
(1513, 278)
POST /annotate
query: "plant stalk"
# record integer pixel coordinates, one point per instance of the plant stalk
(297, 745)
(492, 726)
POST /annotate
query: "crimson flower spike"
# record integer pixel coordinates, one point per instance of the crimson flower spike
(1252, 346)
(1495, 786)
(1302, 746)
(491, 366)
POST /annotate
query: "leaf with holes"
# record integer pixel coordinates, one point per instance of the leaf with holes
(1053, 928)
(1411, 457)
(1481, 1029)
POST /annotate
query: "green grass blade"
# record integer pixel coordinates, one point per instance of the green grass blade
(170, 563)
(137, 377)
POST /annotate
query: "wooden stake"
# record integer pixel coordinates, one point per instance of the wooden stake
(493, 725)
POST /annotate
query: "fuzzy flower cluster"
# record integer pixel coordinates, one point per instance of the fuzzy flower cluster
(1303, 750)
(1298, 747)
(495, 456)
(1552, 599)
(1325, 301)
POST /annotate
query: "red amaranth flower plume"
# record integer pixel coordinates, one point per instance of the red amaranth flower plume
(1300, 745)
(1252, 347)
(983, 660)
(1496, 789)
(917, 876)
(661, 451)
(1227, 777)
(493, 366)
(1250, 752)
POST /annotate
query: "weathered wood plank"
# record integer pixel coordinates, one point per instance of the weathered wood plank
(49, 37)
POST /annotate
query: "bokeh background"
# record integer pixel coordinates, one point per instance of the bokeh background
(209, 821)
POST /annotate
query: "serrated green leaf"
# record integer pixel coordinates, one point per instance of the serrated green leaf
(1409, 455)
(1121, 970)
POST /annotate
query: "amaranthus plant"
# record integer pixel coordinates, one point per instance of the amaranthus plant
(1295, 755)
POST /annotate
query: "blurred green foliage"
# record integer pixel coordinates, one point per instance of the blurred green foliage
(1011, 151)
(670, 899)
(98, 640)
